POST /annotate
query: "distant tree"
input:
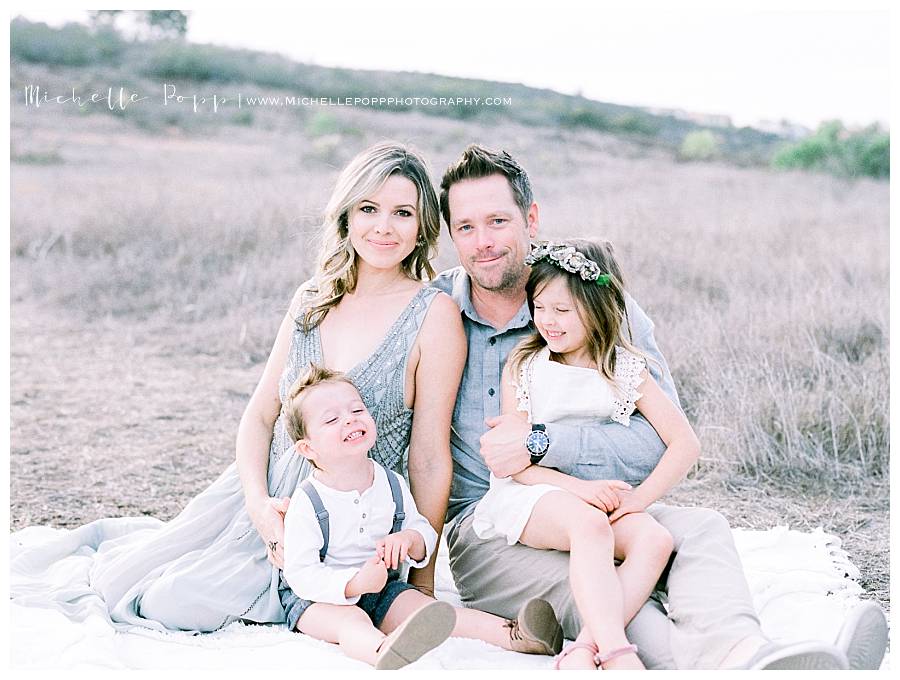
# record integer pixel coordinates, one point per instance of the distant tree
(166, 23)
(153, 24)
(104, 17)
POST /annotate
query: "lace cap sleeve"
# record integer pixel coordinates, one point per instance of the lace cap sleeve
(522, 382)
(628, 377)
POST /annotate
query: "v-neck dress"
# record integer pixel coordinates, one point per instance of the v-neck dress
(207, 567)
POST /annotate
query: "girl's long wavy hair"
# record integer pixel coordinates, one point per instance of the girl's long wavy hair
(601, 309)
(337, 268)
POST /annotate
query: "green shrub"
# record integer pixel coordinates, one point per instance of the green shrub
(700, 145)
(834, 149)
(635, 124)
(174, 59)
(584, 117)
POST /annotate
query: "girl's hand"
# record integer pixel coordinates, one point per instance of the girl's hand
(268, 519)
(629, 502)
(601, 493)
(394, 549)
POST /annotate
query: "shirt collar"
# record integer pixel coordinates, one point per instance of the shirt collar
(462, 295)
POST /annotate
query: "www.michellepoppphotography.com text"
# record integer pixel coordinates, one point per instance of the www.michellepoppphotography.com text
(121, 98)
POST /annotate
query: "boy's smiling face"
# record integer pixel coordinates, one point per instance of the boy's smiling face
(338, 424)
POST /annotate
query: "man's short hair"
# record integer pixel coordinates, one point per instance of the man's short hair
(477, 162)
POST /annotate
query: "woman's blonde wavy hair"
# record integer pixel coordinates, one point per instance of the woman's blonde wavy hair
(337, 269)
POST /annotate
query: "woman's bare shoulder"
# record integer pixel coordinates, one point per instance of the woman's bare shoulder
(304, 291)
(443, 312)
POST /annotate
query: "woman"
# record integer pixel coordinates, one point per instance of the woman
(367, 312)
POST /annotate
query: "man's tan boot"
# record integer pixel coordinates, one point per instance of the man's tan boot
(536, 630)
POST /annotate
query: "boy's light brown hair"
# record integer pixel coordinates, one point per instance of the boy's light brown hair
(292, 407)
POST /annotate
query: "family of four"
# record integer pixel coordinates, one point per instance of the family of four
(520, 398)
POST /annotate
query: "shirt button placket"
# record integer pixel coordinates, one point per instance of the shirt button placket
(491, 376)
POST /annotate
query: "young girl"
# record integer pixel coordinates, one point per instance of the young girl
(349, 530)
(578, 367)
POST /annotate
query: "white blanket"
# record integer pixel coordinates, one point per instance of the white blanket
(802, 584)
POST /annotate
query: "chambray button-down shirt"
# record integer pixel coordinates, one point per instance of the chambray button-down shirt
(479, 391)
(604, 451)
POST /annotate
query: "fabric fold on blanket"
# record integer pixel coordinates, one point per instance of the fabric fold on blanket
(802, 584)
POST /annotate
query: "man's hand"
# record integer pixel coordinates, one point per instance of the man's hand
(370, 578)
(395, 548)
(503, 446)
(601, 493)
(268, 518)
(629, 502)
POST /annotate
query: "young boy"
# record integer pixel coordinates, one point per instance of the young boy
(350, 523)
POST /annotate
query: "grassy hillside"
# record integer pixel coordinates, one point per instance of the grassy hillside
(107, 55)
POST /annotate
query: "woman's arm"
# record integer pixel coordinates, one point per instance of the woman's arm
(682, 446)
(254, 438)
(442, 357)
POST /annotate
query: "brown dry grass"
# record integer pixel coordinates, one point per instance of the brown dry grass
(149, 272)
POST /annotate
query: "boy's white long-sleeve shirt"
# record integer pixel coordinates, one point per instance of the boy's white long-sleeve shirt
(356, 521)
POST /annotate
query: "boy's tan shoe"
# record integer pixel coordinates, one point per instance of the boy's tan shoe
(419, 634)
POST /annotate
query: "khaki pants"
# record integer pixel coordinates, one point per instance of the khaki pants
(709, 604)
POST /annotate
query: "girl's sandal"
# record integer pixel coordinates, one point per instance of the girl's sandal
(571, 648)
(601, 659)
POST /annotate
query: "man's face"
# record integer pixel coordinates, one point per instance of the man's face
(490, 233)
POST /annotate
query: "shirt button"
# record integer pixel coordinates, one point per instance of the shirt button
(491, 391)
(356, 500)
(493, 341)
(361, 530)
(364, 515)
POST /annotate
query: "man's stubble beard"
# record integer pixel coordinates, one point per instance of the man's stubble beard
(512, 280)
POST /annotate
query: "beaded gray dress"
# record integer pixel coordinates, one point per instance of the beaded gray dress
(207, 567)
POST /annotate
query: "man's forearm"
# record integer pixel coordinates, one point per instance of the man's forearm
(605, 451)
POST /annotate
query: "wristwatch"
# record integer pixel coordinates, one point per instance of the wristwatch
(537, 442)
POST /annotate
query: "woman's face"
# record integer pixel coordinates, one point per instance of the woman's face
(384, 226)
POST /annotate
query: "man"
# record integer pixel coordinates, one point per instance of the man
(487, 203)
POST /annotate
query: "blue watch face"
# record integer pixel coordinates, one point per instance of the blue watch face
(537, 442)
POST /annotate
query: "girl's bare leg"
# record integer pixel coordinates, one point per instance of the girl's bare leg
(344, 624)
(561, 521)
(579, 659)
(645, 546)
(470, 623)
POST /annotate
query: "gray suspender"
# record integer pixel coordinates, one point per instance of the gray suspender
(322, 513)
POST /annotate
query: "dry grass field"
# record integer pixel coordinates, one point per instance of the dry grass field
(150, 269)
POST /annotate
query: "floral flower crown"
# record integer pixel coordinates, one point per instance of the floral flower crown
(567, 257)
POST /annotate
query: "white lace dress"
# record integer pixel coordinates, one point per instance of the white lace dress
(550, 392)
